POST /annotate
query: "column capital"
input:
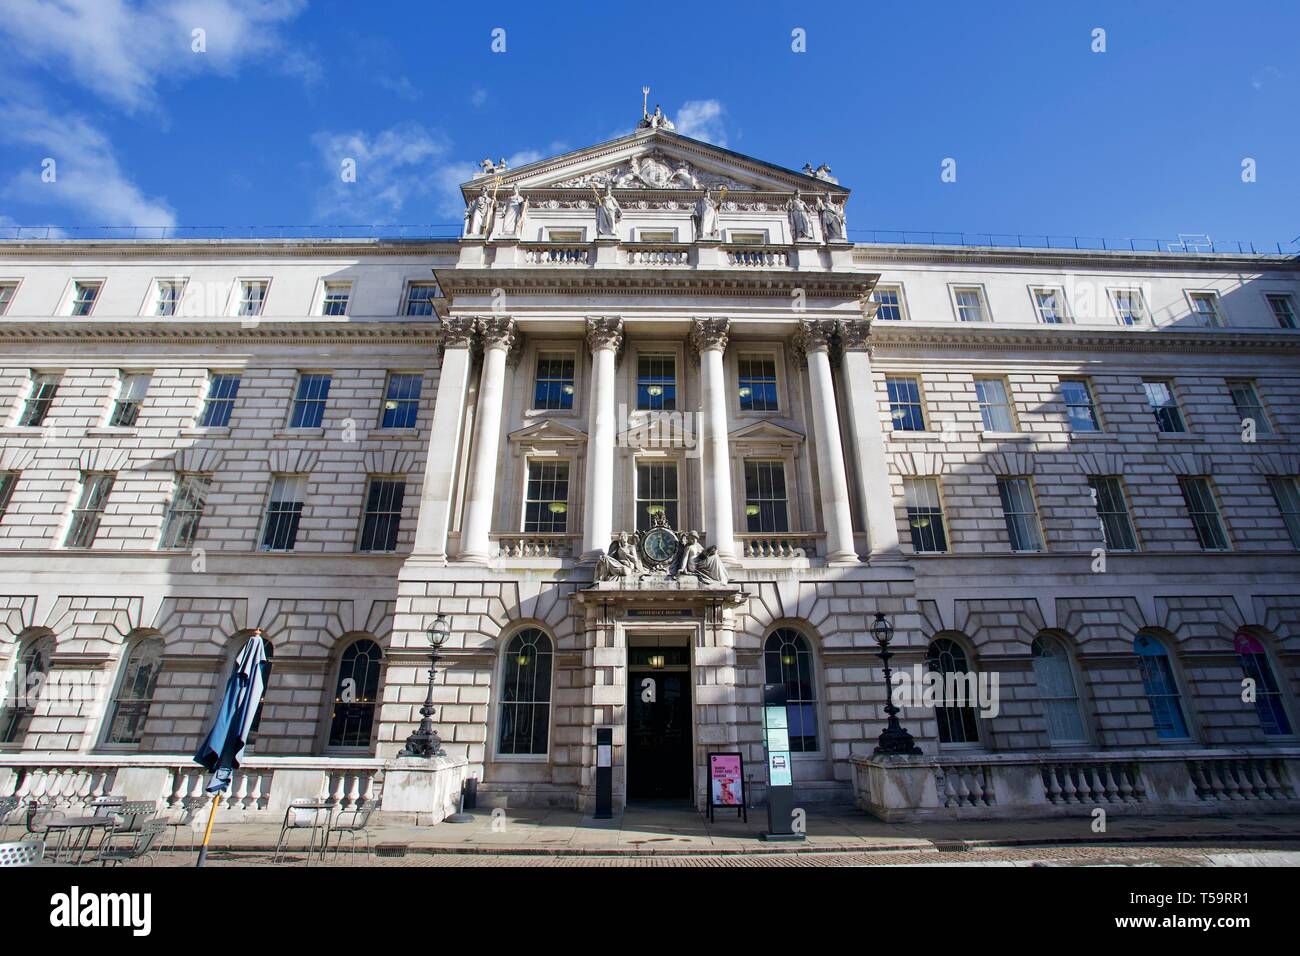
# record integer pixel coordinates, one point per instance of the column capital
(855, 335)
(604, 333)
(497, 331)
(813, 335)
(456, 332)
(709, 334)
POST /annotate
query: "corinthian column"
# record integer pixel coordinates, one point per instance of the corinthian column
(867, 442)
(498, 334)
(709, 337)
(605, 337)
(814, 340)
(457, 336)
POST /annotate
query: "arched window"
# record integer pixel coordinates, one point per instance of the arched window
(526, 694)
(31, 671)
(135, 691)
(1161, 687)
(789, 661)
(355, 694)
(1055, 679)
(1268, 695)
(955, 702)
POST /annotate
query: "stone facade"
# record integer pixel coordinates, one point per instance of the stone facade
(615, 313)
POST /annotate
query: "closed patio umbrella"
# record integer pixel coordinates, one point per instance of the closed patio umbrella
(223, 749)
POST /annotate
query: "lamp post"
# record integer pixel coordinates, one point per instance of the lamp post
(894, 740)
(425, 741)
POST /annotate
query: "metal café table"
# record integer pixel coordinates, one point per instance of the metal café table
(75, 833)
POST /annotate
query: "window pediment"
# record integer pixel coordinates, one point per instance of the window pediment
(547, 437)
(765, 438)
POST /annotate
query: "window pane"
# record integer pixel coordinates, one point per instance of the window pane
(546, 500)
(181, 523)
(656, 491)
(954, 709)
(1204, 512)
(1020, 514)
(925, 514)
(995, 409)
(905, 408)
(526, 694)
(383, 516)
(787, 660)
(309, 401)
(656, 382)
(44, 388)
(135, 692)
(889, 302)
(355, 695)
(1161, 688)
(1283, 307)
(1249, 408)
(222, 390)
(283, 511)
(1160, 397)
(553, 387)
(1286, 491)
(757, 381)
(766, 504)
(1081, 413)
(401, 401)
(419, 298)
(95, 489)
(1112, 513)
(1056, 690)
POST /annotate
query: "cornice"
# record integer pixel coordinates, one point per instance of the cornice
(893, 337)
(882, 255)
(225, 331)
(733, 282)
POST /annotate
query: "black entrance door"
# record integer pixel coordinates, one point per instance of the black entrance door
(659, 735)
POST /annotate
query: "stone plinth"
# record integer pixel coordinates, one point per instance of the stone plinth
(422, 791)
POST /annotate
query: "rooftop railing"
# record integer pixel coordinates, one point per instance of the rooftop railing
(1185, 243)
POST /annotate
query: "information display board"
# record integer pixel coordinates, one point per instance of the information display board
(727, 783)
(780, 780)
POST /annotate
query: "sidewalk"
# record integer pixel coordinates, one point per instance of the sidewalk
(654, 831)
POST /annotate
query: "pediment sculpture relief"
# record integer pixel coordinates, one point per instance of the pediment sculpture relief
(655, 171)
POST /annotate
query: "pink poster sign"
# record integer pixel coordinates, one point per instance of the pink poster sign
(726, 780)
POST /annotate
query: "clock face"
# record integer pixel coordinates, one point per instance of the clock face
(660, 545)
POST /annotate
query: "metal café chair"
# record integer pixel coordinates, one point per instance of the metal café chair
(352, 823)
(143, 845)
(7, 807)
(39, 816)
(310, 815)
(184, 820)
(26, 853)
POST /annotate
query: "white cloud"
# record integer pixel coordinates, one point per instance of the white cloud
(396, 169)
(122, 50)
(88, 179)
(478, 97)
(701, 119)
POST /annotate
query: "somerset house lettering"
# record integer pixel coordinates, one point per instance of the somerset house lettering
(653, 417)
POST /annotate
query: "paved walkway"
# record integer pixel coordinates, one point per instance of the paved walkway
(672, 831)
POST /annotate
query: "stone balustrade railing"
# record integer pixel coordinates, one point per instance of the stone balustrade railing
(782, 547)
(758, 256)
(262, 786)
(667, 255)
(1052, 784)
(535, 545)
(556, 254)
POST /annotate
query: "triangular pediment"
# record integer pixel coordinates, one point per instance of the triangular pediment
(656, 160)
(765, 432)
(547, 431)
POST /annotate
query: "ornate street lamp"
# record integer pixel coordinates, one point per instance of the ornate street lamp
(425, 741)
(893, 739)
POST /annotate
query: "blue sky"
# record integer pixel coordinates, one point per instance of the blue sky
(1145, 139)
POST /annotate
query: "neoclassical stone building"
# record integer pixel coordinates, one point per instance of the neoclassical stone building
(1075, 471)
